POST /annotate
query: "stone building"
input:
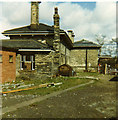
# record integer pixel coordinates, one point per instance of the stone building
(84, 56)
(43, 48)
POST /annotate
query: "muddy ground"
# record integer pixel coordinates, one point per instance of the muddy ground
(97, 100)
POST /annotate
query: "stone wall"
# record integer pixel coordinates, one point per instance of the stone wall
(65, 55)
(78, 59)
(43, 63)
(17, 65)
(68, 56)
(62, 52)
(93, 59)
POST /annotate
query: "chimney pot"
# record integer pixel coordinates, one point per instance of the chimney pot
(71, 35)
(56, 10)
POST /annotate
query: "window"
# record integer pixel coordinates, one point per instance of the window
(27, 62)
(11, 58)
(28, 58)
(0, 58)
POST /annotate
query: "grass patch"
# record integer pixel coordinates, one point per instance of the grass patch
(67, 82)
(94, 74)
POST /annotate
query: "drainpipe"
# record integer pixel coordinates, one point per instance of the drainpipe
(65, 56)
(86, 68)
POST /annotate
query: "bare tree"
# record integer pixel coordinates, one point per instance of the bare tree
(100, 40)
(116, 41)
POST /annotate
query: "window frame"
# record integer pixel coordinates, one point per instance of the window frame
(10, 58)
(1, 56)
(23, 61)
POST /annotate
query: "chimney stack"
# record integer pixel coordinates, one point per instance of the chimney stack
(34, 15)
(71, 35)
(56, 42)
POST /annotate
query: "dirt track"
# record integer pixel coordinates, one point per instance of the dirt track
(93, 101)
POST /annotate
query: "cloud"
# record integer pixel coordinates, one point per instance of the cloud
(84, 22)
(13, 14)
(87, 23)
(16, 12)
(46, 12)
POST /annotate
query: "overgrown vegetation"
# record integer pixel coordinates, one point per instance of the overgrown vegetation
(67, 82)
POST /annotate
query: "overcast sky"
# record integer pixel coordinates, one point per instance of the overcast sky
(86, 19)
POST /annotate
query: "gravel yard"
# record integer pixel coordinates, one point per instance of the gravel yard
(97, 100)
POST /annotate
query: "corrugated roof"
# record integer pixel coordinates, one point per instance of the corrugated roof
(27, 29)
(23, 44)
(85, 43)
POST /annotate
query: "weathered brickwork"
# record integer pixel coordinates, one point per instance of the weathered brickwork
(8, 66)
(78, 59)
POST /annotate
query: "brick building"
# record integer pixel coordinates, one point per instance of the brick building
(7, 64)
(43, 48)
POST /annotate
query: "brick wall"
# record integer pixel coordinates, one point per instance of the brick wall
(8, 69)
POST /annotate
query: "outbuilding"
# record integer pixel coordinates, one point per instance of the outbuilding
(7, 64)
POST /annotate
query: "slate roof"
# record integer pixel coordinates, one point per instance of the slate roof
(84, 43)
(27, 29)
(41, 29)
(23, 44)
(105, 56)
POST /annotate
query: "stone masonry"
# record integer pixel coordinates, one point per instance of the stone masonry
(51, 48)
(78, 59)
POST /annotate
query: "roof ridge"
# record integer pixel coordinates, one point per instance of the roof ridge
(87, 41)
(16, 40)
(17, 28)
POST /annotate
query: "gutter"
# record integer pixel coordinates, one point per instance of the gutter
(40, 50)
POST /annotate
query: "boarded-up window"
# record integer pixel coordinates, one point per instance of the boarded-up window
(11, 58)
(0, 58)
